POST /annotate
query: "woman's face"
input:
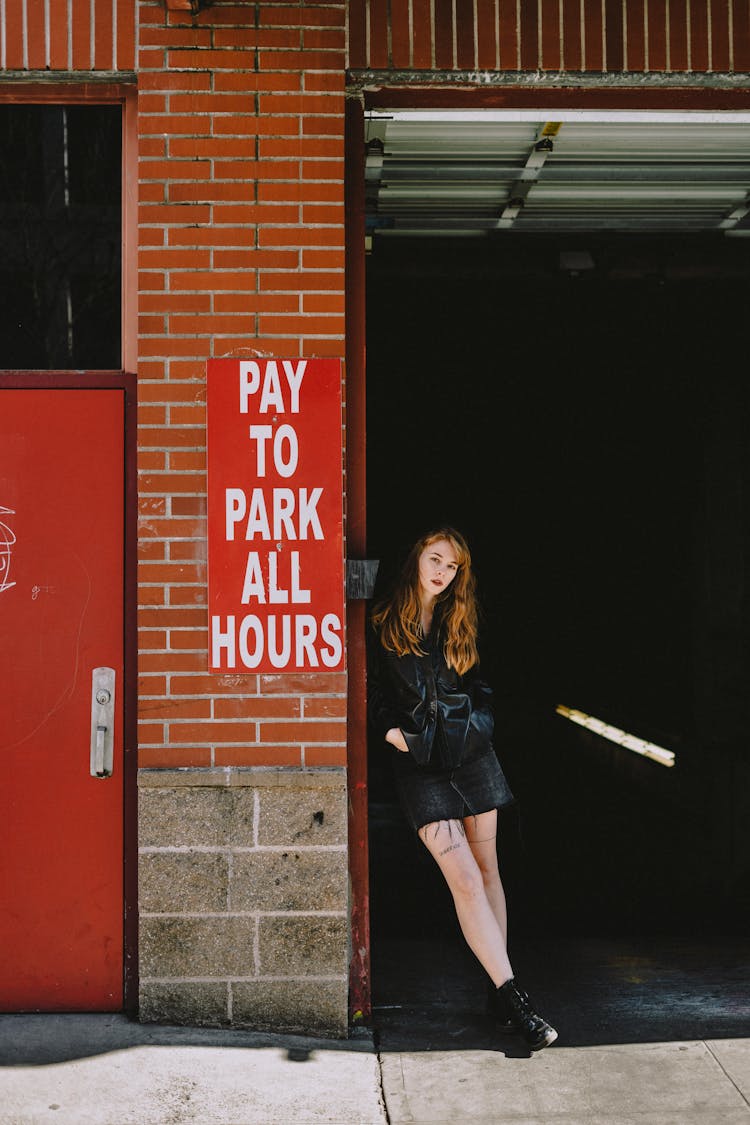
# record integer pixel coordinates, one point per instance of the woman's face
(438, 566)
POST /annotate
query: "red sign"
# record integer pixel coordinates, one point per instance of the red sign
(275, 515)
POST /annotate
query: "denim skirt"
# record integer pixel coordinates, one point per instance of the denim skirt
(473, 787)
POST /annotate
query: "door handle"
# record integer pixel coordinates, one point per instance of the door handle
(102, 722)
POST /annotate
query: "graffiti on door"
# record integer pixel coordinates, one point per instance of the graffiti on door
(7, 539)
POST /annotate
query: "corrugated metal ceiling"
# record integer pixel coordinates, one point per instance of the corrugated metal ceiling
(453, 172)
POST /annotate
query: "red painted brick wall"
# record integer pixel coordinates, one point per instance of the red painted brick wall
(241, 230)
(550, 35)
(91, 36)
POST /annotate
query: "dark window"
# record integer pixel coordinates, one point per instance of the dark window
(60, 236)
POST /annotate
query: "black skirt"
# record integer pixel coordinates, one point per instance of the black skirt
(474, 787)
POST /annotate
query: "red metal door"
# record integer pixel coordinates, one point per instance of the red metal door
(61, 616)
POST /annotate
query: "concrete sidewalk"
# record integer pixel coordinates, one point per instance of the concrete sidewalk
(652, 1032)
(79, 1069)
(108, 1070)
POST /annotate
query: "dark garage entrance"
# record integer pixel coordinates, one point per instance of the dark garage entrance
(575, 401)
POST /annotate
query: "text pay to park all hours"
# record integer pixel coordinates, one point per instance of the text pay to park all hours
(275, 485)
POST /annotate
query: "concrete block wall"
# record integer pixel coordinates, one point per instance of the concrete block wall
(243, 895)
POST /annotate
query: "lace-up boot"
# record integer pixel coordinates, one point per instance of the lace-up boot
(513, 1004)
(494, 1010)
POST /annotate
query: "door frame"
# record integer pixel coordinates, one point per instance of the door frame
(125, 94)
(401, 94)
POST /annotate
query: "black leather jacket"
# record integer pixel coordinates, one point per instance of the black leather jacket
(445, 718)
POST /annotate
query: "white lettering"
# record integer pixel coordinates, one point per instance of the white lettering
(305, 628)
(253, 585)
(307, 514)
(271, 397)
(285, 467)
(283, 510)
(294, 379)
(221, 641)
(298, 594)
(251, 659)
(281, 637)
(260, 434)
(280, 657)
(275, 595)
(249, 381)
(234, 506)
(330, 627)
(257, 520)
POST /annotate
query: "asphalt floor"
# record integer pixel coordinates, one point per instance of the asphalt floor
(652, 1031)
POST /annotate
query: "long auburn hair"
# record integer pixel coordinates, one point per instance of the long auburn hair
(397, 616)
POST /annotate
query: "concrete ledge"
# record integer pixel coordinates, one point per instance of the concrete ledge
(255, 776)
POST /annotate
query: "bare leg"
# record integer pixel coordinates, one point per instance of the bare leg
(481, 832)
(446, 841)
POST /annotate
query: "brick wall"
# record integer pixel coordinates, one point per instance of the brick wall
(633, 36)
(243, 866)
(241, 229)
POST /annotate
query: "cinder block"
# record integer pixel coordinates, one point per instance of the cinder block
(290, 816)
(289, 880)
(182, 882)
(308, 1007)
(195, 1003)
(197, 947)
(303, 946)
(196, 817)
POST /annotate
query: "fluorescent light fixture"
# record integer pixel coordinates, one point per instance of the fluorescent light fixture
(621, 737)
(649, 117)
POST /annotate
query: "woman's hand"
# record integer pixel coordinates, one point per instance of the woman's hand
(396, 738)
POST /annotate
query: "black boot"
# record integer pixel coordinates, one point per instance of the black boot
(494, 1010)
(513, 1004)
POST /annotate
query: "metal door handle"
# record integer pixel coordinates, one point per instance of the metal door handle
(102, 722)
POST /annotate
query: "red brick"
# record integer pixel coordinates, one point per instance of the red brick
(270, 147)
(307, 15)
(300, 280)
(174, 125)
(332, 39)
(229, 81)
(169, 80)
(152, 146)
(171, 482)
(175, 708)
(177, 213)
(172, 259)
(151, 549)
(295, 325)
(257, 707)
(153, 758)
(175, 37)
(323, 259)
(300, 236)
(172, 617)
(216, 147)
(323, 302)
(301, 60)
(255, 756)
(212, 281)
(219, 684)
(171, 661)
(303, 732)
(151, 685)
(172, 302)
(325, 756)
(213, 235)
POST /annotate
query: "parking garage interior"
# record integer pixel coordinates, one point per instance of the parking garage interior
(572, 394)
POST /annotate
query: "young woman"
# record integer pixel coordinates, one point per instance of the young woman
(428, 701)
